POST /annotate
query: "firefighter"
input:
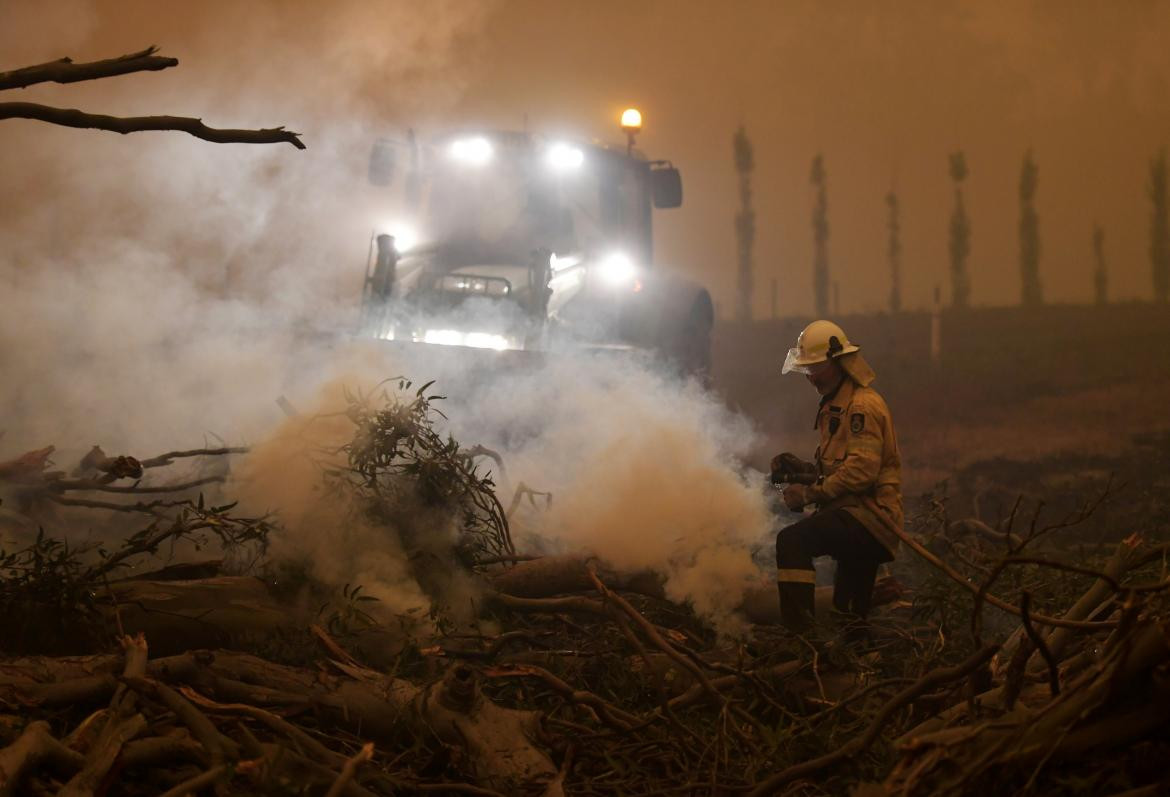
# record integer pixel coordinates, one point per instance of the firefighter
(857, 489)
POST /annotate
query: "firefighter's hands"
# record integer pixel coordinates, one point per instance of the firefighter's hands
(787, 465)
(790, 463)
(795, 497)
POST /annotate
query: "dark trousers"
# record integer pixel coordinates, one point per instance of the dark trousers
(834, 533)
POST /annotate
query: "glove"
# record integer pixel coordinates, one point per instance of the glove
(787, 465)
(795, 497)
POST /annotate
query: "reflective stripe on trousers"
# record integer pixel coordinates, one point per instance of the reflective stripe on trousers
(791, 576)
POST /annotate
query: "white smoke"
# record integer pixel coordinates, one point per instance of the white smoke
(162, 290)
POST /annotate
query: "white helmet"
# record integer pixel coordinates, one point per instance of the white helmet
(820, 341)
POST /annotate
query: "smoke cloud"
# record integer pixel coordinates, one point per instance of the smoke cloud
(643, 469)
(161, 292)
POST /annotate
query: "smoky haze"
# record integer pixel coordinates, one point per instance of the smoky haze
(163, 291)
(160, 289)
(884, 90)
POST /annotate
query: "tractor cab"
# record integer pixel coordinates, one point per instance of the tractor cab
(506, 239)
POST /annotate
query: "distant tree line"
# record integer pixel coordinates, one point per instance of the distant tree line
(959, 235)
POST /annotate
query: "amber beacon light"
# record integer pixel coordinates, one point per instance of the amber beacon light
(631, 126)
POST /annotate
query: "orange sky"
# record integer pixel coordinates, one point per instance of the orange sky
(884, 89)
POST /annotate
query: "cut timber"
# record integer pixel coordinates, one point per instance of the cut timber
(497, 740)
(180, 615)
(496, 744)
(1120, 700)
(557, 575)
(35, 745)
(223, 611)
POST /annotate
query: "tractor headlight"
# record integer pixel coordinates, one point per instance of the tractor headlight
(475, 151)
(405, 237)
(475, 340)
(562, 157)
(616, 269)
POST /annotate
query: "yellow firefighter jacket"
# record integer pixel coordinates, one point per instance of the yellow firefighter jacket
(858, 462)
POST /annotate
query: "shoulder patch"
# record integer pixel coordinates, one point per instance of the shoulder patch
(857, 422)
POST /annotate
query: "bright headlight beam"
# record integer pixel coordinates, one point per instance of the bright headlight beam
(443, 337)
(485, 340)
(475, 151)
(564, 157)
(405, 237)
(476, 340)
(616, 269)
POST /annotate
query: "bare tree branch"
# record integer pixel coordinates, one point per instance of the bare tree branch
(167, 458)
(135, 124)
(64, 70)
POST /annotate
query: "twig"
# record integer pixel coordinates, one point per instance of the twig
(456, 788)
(514, 557)
(816, 657)
(330, 645)
(652, 634)
(116, 560)
(169, 457)
(571, 603)
(295, 734)
(524, 490)
(87, 485)
(874, 687)
(609, 713)
(71, 117)
(148, 509)
(1013, 679)
(350, 769)
(194, 784)
(692, 695)
(1038, 642)
(201, 727)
